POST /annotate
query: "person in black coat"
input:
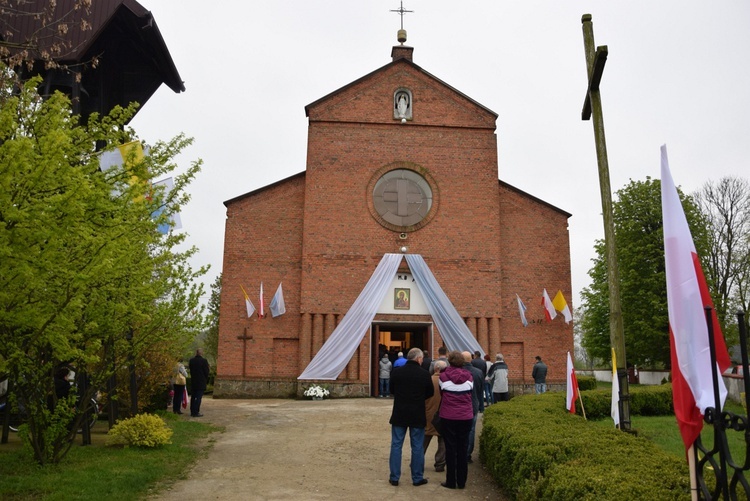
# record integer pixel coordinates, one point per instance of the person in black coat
(411, 385)
(199, 372)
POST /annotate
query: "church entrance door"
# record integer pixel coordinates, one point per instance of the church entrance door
(392, 337)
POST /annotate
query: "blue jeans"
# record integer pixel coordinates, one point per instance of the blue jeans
(541, 387)
(472, 433)
(488, 393)
(385, 387)
(416, 439)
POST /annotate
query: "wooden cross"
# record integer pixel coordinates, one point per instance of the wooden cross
(245, 336)
(593, 105)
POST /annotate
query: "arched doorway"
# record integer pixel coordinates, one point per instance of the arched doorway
(392, 337)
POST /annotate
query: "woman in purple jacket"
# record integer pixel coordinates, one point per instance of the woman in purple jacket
(456, 416)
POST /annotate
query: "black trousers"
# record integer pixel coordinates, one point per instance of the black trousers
(456, 436)
(195, 402)
(179, 394)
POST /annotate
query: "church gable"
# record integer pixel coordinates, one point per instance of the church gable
(374, 98)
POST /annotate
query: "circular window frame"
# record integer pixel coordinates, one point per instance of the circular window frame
(417, 169)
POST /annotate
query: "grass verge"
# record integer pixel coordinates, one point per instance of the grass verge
(99, 472)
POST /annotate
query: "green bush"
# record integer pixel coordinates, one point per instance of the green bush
(644, 401)
(536, 450)
(142, 430)
(586, 383)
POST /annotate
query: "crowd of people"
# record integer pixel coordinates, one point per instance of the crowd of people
(441, 399)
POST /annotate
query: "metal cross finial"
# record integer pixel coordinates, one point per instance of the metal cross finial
(401, 11)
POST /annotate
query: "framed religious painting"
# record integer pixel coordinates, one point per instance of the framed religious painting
(401, 299)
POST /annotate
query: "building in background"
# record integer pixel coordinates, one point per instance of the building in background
(398, 162)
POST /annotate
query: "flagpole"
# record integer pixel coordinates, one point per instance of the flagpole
(580, 398)
(691, 466)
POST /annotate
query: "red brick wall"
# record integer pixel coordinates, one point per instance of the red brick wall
(262, 243)
(536, 255)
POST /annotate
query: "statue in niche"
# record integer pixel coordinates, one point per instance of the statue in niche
(402, 108)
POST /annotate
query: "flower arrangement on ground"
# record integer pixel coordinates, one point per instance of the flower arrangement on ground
(316, 391)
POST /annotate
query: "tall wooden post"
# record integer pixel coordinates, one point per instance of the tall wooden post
(595, 61)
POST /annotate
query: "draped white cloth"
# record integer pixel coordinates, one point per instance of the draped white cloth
(452, 327)
(336, 352)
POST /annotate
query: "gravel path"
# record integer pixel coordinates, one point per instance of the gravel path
(305, 450)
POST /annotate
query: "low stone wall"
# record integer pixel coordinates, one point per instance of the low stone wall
(232, 388)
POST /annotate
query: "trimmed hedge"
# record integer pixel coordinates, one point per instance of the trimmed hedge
(644, 401)
(536, 450)
(586, 383)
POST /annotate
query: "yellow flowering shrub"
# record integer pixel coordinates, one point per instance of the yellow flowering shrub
(143, 430)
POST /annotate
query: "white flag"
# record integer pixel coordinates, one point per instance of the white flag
(248, 305)
(615, 408)
(277, 306)
(522, 311)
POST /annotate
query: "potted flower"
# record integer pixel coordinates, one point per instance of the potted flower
(317, 392)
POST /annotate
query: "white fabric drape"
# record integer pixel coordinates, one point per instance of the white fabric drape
(452, 327)
(336, 352)
(343, 342)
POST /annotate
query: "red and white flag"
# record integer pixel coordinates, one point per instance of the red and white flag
(687, 295)
(571, 392)
(262, 311)
(549, 308)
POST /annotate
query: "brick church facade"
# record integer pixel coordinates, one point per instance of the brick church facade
(398, 161)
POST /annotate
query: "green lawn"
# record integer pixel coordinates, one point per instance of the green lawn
(663, 431)
(99, 472)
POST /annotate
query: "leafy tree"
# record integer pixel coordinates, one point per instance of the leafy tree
(726, 204)
(86, 278)
(212, 332)
(640, 252)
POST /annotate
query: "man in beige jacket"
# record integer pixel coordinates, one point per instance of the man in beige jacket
(432, 405)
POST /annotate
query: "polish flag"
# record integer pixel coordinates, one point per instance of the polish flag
(687, 295)
(571, 392)
(262, 311)
(549, 308)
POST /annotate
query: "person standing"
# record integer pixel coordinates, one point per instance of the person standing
(487, 386)
(400, 360)
(432, 405)
(478, 362)
(499, 379)
(456, 416)
(385, 376)
(426, 360)
(411, 386)
(179, 380)
(199, 372)
(477, 400)
(442, 355)
(539, 374)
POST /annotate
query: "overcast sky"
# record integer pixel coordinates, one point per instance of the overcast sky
(677, 74)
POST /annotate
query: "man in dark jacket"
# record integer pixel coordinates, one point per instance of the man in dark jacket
(477, 398)
(539, 374)
(410, 386)
(199, 372)
(478, 362)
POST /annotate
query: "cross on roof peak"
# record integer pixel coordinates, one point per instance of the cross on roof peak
(401, 11)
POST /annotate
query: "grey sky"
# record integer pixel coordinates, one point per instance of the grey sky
(677, 74)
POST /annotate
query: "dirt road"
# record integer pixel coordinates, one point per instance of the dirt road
(306, 450)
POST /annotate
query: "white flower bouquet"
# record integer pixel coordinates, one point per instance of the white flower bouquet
(317, 392)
